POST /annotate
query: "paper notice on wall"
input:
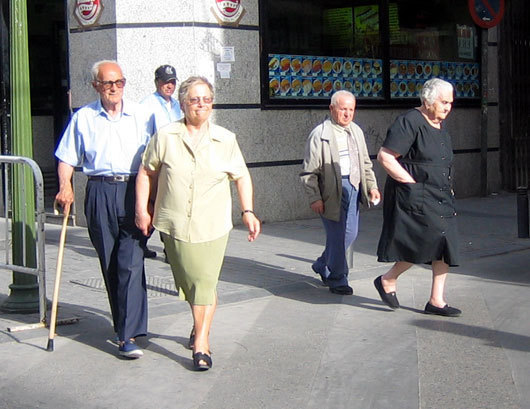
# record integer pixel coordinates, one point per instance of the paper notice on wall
(224, 69)
(228, 54)
(465, 37)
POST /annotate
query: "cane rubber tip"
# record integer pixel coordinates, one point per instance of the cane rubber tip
(49, 348)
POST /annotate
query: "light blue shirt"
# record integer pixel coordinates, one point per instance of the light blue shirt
(104, 145)
(158, 107)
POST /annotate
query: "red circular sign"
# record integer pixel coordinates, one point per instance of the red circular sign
(228, 8)
(87, 12)
(486, 13)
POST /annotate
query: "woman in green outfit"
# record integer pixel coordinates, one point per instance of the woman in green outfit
(183, 190)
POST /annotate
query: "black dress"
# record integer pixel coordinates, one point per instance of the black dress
(419, 223)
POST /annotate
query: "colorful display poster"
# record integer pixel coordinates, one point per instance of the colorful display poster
(306, 76)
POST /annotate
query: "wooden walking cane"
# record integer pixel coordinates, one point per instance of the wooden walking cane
(58, 271)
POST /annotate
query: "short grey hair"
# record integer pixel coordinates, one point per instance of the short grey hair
(341, 93)
(185, 87)
(431, 89)
(95, 68)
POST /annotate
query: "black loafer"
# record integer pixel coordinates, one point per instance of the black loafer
(324, 281)
(342, 290)
(446, 311)
(389, 299)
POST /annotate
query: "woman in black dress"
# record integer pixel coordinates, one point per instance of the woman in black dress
(419, 214)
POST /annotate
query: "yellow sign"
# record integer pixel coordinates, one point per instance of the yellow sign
(366, 19)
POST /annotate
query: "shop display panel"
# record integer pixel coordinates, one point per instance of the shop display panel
(407, 77)
(315, 77)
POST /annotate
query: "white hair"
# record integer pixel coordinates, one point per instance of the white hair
(431, 90)
(341, 93)
(95, 68)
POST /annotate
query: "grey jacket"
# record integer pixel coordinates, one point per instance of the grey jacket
(321, 174)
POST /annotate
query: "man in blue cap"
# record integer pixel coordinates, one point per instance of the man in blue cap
(164, 110)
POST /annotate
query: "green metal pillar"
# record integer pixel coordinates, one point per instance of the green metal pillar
(24, 295)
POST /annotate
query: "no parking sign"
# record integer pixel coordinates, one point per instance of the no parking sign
(486, 13)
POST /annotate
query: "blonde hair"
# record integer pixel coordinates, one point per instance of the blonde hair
(185, 87)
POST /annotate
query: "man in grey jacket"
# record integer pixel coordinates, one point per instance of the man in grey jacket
(337, 175)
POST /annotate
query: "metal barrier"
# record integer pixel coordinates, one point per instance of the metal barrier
(40, 219)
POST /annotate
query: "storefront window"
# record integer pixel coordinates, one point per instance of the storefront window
(382, 51)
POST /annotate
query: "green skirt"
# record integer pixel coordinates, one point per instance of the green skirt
(196, 267)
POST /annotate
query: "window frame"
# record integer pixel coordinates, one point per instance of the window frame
(385, 102)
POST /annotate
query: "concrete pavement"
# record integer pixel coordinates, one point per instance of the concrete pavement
(282, 340)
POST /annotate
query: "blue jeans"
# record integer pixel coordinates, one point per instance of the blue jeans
(332, 265)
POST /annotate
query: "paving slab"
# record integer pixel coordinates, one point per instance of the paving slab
(282, 340)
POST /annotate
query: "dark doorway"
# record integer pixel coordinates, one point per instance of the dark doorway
(48, 65)
(514, 93)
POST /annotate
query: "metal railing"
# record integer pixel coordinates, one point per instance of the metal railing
(6, 164)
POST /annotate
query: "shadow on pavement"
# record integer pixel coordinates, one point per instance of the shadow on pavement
(493, 337)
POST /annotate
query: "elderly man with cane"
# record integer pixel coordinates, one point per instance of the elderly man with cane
(107, 138)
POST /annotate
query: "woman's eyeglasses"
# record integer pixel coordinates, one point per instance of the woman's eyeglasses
(196, 100)
(106, 85)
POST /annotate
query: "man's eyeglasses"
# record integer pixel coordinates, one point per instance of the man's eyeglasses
(196, 100)
(108, 84)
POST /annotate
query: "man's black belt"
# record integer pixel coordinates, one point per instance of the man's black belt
(113, 178)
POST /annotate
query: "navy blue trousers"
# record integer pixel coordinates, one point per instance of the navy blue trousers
(332, 264)
(109, 210)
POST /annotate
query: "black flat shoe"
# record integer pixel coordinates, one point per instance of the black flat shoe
(205, 364)
(389, 299)
(342, 290)
(446, 311)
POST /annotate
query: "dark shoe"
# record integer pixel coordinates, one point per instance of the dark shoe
(342, 290)
(149, 253)
(205, 364)
(389, 299)
(324, 281)
(446, 311)
(129, 349)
